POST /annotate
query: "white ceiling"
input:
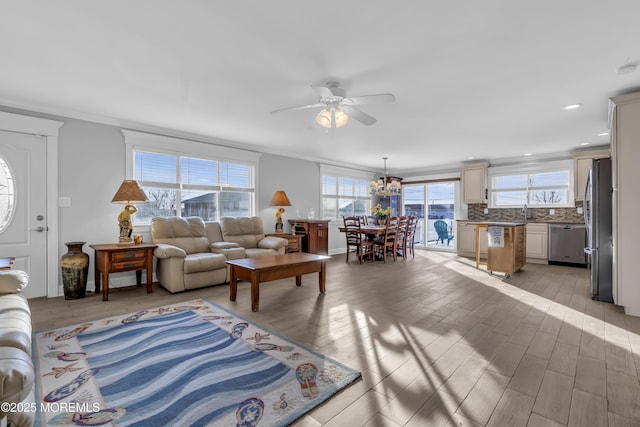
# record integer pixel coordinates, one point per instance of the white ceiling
(487, 79)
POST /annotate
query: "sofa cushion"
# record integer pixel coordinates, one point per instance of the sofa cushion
(12, 281)
(188, 233)
(246, 232)
(214, 233)
(196, 263)
(15, 318)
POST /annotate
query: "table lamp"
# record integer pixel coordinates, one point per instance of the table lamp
(279, 199)
(128, 194)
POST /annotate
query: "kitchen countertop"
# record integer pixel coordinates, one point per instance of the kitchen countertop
(501, 224)
(475, 221)
(495, 223)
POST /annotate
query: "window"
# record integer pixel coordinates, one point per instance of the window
(344, 195)
(548, 187)
(195, 182)
(7, 195)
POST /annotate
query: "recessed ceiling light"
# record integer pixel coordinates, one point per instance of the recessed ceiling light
(585, 143)
(527, 154)
(572, 106)
(603, 134)
(470, 158)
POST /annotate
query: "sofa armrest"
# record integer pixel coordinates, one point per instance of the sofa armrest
(13, 281)
(168, 251)
(271, 242)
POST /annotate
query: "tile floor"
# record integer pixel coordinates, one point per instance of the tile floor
(439, 343)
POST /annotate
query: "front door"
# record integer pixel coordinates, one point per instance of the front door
(23, 221)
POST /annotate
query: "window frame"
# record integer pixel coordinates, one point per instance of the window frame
(343, 173)
(164, 145)
(528, 171)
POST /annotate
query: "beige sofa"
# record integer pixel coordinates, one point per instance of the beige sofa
(192, 253)
(16, 369)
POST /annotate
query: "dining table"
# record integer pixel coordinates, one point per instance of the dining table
(369, 230)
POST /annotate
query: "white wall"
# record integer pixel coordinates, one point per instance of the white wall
(300, 179)
(92, 167)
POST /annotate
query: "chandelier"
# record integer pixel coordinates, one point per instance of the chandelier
(385, 188)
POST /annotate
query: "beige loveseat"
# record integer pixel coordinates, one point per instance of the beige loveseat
(192, 253)
(16, 369)
(248, 233)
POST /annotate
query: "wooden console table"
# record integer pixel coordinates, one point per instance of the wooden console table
(315, 232)
(114, 258)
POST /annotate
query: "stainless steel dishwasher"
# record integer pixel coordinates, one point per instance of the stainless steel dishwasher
(567, 243)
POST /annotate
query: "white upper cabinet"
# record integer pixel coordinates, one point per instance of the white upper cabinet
(581, 165)
(474, 182)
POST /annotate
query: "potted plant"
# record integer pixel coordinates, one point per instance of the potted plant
(381, 214)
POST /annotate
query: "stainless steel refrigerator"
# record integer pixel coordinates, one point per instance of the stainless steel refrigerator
(598, 220)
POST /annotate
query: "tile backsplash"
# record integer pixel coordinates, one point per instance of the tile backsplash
(564, 215)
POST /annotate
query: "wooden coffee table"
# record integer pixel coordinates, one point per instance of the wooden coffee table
(274, 267)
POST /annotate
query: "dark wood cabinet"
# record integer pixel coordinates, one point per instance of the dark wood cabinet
(315, 234)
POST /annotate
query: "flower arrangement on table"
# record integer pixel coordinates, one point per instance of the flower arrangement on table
(381, 214)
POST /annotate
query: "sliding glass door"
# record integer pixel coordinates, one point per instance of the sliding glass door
(434, 205)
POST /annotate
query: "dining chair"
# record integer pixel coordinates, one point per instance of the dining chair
(401, 241)
(356, 239)
(387, 243)
(411, 234)
(371, 220)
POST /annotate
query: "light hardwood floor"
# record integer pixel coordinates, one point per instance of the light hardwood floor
(438, 342)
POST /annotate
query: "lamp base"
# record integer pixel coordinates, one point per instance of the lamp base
(279, 228)
(125, 241)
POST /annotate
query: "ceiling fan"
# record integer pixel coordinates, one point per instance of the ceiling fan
(337, 108)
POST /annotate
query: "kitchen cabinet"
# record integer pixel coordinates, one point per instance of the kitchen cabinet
(466, 239)
(537, 242)
(581, 165)
(315, 239)
(625, 152)
(474, 182)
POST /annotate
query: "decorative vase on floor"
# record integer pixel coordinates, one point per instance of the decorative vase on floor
(75, 268)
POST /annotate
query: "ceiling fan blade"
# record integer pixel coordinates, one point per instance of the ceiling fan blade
(358, 115)
(302, 107)
(369, 99)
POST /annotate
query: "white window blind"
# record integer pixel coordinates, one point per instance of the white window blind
(190, 178)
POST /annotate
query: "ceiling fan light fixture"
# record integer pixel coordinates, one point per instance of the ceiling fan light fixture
(324, 118)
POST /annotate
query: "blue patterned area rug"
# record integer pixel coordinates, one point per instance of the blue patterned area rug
(188, 364)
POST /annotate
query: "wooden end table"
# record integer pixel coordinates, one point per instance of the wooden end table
(115, 258)
(274, 267)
